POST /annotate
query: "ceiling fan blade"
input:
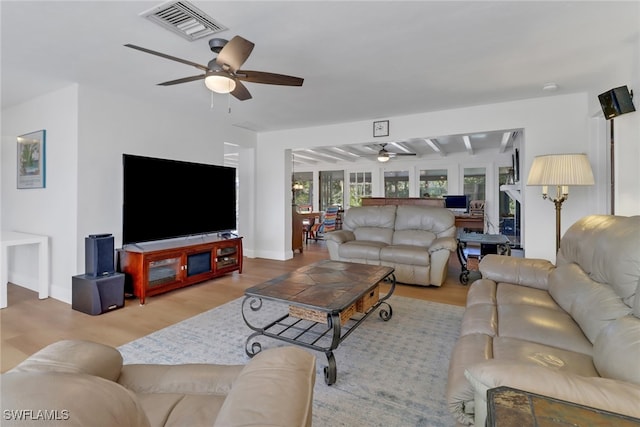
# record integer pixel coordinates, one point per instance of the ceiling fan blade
(164, 55)
(234, 53)
(268, 78)
(241, 92)
(183, 80)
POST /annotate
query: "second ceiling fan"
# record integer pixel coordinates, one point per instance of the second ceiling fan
(223, 74)
(384, 155)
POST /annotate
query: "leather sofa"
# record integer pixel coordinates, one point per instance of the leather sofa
(415, 240)
(570, 331)
(82, 383)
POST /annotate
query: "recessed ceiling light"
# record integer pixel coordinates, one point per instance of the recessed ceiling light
(550, 87)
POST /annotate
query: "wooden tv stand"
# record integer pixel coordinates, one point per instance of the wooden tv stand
(158, 267)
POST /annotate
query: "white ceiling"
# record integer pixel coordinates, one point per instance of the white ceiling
(361, 60)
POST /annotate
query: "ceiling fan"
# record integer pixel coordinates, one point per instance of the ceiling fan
(223, 74)
(384, 155)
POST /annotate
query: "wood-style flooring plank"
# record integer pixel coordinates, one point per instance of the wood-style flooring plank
(29, 324)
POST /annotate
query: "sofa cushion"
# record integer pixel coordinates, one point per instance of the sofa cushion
(509, 293)
(439, 221)
(369, 216)
(606, 248)
(592, 305)
(405, 254)
(177, 410)
(616, 351)
(374, 234)
(418, 238)
(544, 355)
(361, 249)
(542, 325)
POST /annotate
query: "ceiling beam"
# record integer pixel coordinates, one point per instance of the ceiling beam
(402, 146)
(304, 159)
(435, 146)
(467, 144)
(504, 142)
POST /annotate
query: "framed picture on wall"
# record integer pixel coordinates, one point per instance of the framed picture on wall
(31, 160)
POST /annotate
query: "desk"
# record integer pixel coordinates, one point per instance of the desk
(470, 222)
(14, 238)
(508, 407)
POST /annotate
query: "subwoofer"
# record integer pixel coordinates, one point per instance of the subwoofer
(616, 101)
(99, 255)
(97, 295)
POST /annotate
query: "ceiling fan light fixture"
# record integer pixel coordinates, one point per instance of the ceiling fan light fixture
(220, 84)
(383, 157)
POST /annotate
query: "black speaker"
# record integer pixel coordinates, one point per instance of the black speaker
(616, 101)
(98, 255)
(97, 295)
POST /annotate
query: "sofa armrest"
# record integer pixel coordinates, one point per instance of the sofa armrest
(75, 356)
(274, 389)
(603, 393)
(446, 243)
(340, 236)
(76, 400)
(531, 272)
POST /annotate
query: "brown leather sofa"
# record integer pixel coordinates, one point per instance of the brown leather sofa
(415, 240)
(570, 331)
(82, 383)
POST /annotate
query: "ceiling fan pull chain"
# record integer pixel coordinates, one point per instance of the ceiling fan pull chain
(229, 102)
(212, 100)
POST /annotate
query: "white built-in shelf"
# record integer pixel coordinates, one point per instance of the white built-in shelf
(512, 190)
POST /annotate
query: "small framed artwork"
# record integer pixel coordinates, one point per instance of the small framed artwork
(381, 128)
(31, 160)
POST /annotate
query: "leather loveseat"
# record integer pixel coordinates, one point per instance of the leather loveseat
(82, 383)
(416, 240)
(570, 331)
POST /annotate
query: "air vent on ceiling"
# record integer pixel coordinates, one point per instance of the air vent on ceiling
(183, 19)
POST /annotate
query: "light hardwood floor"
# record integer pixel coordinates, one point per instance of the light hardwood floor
(29, 324)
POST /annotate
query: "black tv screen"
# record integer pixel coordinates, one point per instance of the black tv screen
(164, 199)
(456, 202)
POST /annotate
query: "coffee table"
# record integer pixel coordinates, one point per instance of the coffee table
(326, 302)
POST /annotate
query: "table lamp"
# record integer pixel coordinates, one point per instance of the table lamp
(561, 170)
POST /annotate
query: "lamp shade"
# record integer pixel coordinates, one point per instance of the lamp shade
(561, 169)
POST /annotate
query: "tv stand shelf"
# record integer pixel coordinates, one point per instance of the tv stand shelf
(158, 267)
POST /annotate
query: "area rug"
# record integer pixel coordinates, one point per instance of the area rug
(389, 373)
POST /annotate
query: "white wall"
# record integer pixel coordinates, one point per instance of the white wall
(555, 124)
(88, 130)
(51, 211)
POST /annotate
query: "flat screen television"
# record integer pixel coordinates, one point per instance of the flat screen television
(164, 199)
(457, 202)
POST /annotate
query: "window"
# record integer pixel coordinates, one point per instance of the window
(474, 183)
(396, 184)
(433, 183)
(302, 196)
(359, 186)
(331, 189)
